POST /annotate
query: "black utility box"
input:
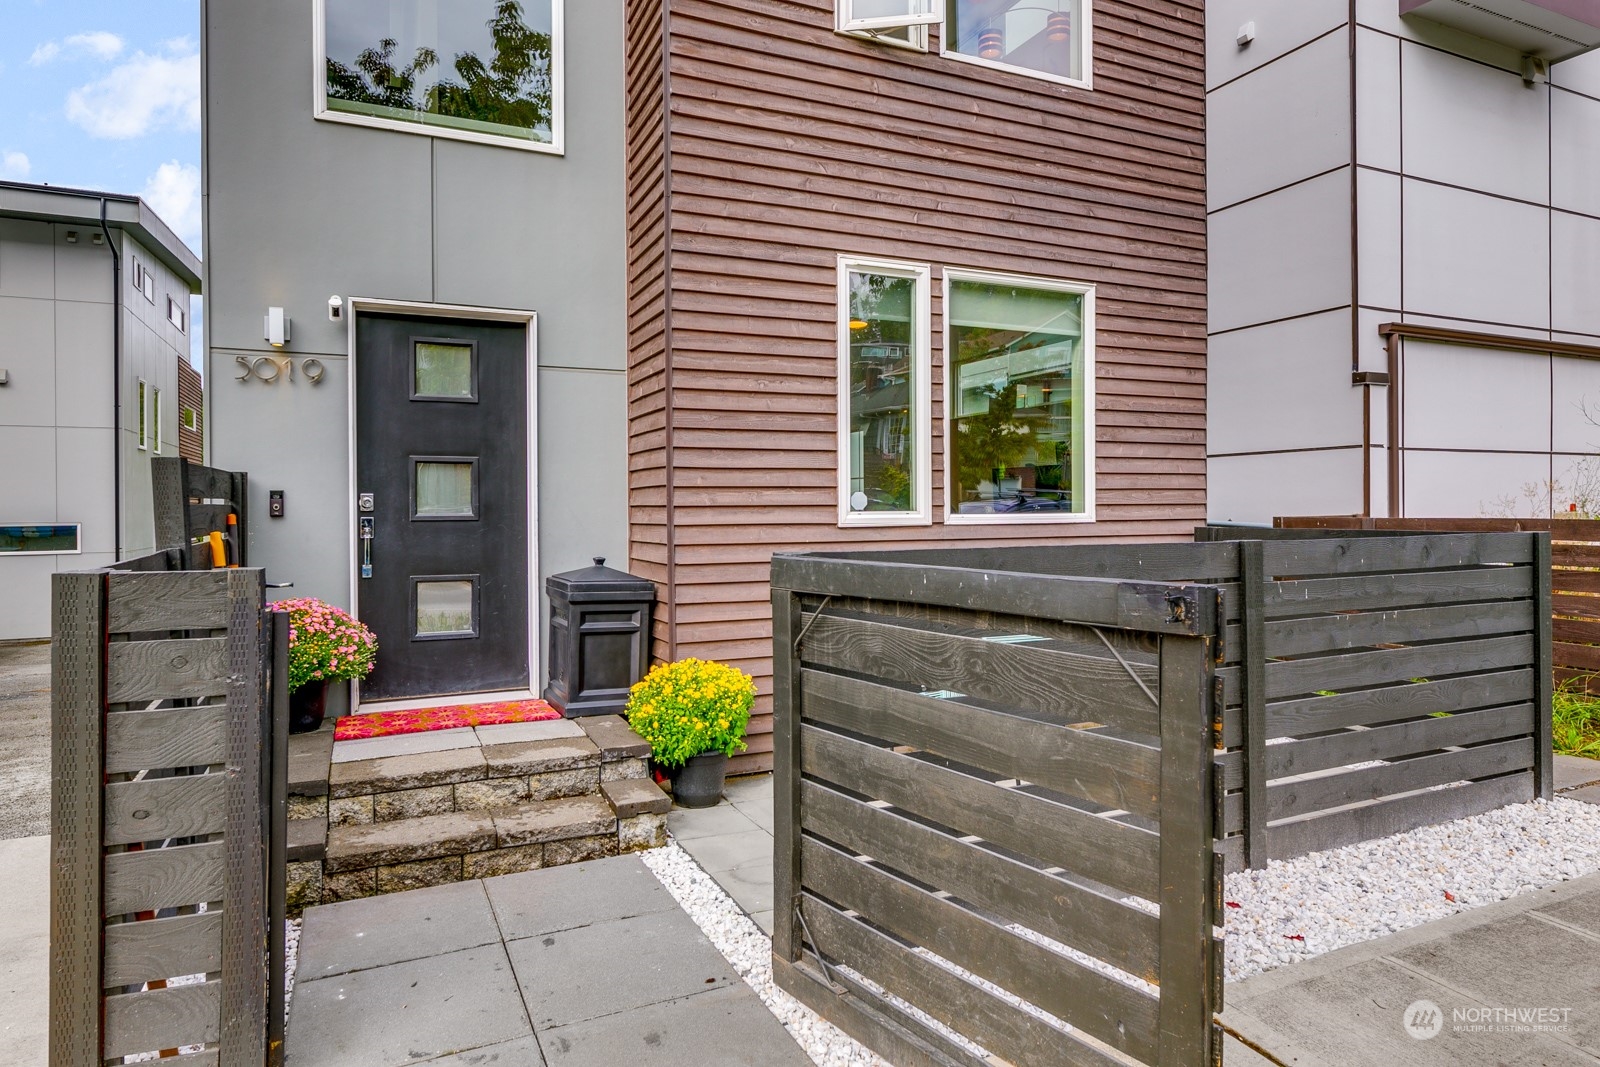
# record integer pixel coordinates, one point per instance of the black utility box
(599, 638)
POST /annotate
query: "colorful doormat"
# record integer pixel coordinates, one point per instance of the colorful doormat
(389, 723)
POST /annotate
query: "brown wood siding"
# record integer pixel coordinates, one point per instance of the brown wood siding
(649, 535)
(191, 443)
(789, 144)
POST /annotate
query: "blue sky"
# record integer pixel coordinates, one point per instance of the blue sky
(106, 95)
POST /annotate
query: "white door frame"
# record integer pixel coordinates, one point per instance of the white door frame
(358, 304)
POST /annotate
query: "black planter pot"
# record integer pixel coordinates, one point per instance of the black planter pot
(306, 707)
(698, 783)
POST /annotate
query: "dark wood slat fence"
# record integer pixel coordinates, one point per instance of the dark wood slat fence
(1574, 578)
(994, 799)
(170, 750)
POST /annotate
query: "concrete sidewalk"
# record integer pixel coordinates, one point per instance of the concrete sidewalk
(732, 842)
(587, 965)
(1539, 950)
(25, 952)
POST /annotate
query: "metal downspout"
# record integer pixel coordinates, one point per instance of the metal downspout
(116, 383)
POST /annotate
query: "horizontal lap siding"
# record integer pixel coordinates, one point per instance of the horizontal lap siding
(649, 319)
(787, 145)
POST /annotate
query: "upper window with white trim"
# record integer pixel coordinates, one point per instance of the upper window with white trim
(477, 70)
(885, 434)
(1043, 38)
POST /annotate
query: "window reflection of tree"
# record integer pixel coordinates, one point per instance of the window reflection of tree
(880, 386)
(512, 89)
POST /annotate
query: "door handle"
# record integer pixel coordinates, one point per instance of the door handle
(367, 535)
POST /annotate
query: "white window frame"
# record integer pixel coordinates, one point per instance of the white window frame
(1083, 289)
(846, 22)
(155, 421)
(78, 551)
(189, 419)
(176, 315)
(1083, 40)
(921, 392)
(555, 146)
(923, 28)
(142, 427)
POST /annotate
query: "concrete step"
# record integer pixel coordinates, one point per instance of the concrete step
(635, 796)
(410, 853)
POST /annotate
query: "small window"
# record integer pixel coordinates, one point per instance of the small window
(885, 435)
(1019, 399)
(444, 607)
(880, 16)
(144, 420)
(444, 370)
(144, 281)
(155, 421)
(444, 487)
(176, 314)
(480, 70)
(190, 419)
(42, 539)
(1048, 40)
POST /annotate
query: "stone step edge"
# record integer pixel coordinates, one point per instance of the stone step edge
(456, 834)
(479, 794)
(393, 774)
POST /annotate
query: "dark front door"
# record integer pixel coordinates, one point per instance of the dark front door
(442, 449)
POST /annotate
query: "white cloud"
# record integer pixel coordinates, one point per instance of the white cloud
(15, 166)
(143, 94)
(173, 192)
(97, 43)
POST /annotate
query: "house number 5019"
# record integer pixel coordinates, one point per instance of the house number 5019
(271, 369)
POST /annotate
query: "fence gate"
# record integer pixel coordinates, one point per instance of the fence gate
(166, 758)
(994, 811)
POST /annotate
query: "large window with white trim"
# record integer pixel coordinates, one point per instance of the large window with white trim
(480, 70)
(885, 432)
(1019, 398)
(1041, 38)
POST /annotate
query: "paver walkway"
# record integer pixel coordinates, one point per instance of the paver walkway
(1540, 950)
(733, 843)
(588, 965)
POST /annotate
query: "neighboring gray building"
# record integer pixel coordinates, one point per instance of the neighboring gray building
(1368, 168)
(88, 384)
(468, 222)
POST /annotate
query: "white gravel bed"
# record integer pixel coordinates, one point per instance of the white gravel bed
(1299, 908)
(749, 950)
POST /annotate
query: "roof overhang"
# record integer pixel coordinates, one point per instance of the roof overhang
(1552, 30)
(48, 203)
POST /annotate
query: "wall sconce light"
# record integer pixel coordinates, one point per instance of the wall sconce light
(275, 328)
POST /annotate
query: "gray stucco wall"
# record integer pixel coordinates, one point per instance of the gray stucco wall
(1473, 207)
(298, 210)
(56, 414)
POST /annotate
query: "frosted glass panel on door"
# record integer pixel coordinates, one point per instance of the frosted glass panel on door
(444, 608)
(444, 490)
(443, 372)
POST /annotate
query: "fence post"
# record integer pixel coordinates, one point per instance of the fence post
(1544, 666)
(1190, 986)
(1253, 666)
(277, 828)
(785, 774)
(77, 718)
(244, 924)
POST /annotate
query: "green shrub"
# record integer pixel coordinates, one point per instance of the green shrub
(1575, 720)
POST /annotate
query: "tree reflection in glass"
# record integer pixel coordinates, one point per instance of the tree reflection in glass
(499, 82)
(882, 362)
